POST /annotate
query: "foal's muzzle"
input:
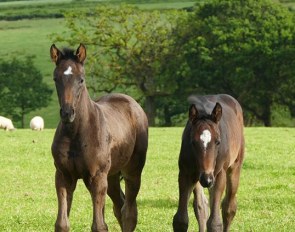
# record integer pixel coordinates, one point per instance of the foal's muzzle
(207, 180)
(67, 114)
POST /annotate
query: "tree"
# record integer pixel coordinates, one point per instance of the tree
(131, 51)
(21, 88)
(243, 48)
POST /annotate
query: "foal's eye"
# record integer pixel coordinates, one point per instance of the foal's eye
(217, 142)
(81, 81)
(194, 142)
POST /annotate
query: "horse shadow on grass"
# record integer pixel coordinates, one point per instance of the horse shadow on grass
(160, 203)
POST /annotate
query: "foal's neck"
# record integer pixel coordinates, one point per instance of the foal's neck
(84, 110)
(85, 107)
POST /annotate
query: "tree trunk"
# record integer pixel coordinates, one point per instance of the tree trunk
(266, 117)
(167, 117)
(150, 109)
(267, 122)
(23, 120)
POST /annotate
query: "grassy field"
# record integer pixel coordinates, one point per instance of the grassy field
(266, 199)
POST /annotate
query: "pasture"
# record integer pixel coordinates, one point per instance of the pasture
(30, 37)
(266, 199)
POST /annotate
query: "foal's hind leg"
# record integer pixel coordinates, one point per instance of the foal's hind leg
(129, 210)
(229, 203)
(201, 206)
(132, 176)
(116, 194)
(65, 187)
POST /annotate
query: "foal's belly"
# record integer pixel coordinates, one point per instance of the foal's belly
(80, 167)
(71, 165)
(82, 161)
(120, 158)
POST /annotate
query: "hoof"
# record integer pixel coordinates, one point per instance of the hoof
(179, 226)
(215, 227)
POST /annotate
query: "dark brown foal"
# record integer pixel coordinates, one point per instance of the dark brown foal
(211, 156)
(98, 142)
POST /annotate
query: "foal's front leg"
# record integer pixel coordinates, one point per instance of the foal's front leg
(214, 223)
(65, 187)
(229, 203)
(180, 219)
(201, 207)
(97, 185)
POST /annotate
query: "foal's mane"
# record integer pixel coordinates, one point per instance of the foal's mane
(69, 54)
(202, 104)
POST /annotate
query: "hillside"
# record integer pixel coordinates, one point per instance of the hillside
(27, 29)
(26, 26)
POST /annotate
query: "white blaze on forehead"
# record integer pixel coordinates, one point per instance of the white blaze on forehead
(68, 71)
(205, 137)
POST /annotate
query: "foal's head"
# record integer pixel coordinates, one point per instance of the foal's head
(205, 139)
(69, 79)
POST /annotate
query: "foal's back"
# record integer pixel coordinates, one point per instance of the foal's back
(122, 111)
(128, 126)
(207, 102)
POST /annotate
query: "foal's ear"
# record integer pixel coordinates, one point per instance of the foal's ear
(216, 113)
(193, 113)
(81, 53)
(54, 53)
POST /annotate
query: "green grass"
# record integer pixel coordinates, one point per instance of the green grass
(51, 9)
(42, 9)
(265, 199)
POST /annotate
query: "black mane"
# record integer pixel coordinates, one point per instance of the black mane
(69, 54)
(202, 103)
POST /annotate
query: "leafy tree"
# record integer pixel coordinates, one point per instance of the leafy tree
(130, 51)
(243, 48)
(21, 88)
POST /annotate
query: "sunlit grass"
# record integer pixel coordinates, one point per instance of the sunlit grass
(31, 37)
(266, 199)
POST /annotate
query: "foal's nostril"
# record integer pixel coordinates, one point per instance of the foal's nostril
(67, 114)
(206, 180)
(61, 113)
(210, 180)
(64, 113)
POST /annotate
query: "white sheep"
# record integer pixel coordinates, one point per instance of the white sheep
(37, 123)
(6, 123)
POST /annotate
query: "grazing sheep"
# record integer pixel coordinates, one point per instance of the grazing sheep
(37, 123)
(6, 124)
